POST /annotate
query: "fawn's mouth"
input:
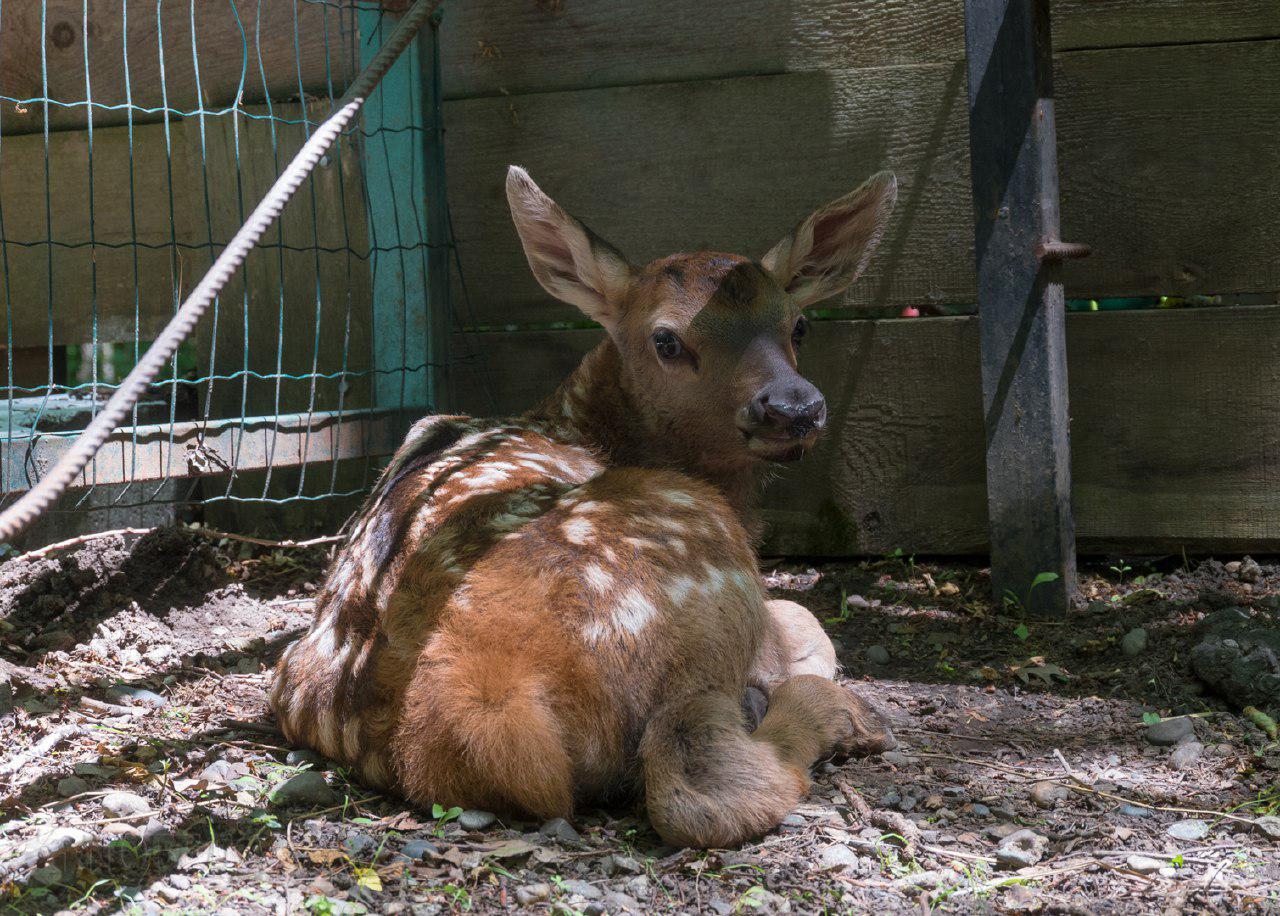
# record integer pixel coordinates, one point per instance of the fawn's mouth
(781, 445)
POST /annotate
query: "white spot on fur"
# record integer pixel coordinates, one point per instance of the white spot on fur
(680, 588)
(680, 498)
(487, 477)
(351, 737)
(596, 576)
(633, 612)
(578, 531)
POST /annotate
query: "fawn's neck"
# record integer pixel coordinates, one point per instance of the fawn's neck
(595, 407)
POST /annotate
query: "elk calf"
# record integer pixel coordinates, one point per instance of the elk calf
(563, 608)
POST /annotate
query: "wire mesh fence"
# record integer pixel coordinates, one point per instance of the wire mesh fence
(134, 140)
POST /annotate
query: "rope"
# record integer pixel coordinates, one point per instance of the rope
(52, 485)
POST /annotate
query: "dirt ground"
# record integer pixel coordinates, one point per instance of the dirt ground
(140, 771)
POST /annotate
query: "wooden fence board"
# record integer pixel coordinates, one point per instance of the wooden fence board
(1145, 137)
(1175, 431)
(37, 272)
(496, 46)
(262, 58)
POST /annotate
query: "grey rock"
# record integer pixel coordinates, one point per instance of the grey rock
(125, 804)
(1134, 642)
(476, 820)
(1239, 658)
(181, 882)
(418, 849)
(307, 788)
(1135, 811)
(857, 601)
(877, 655)
(616, 864)
(895, 758)
(221, 772)
(1188, 830)
(794, 820)
(639, 886)
(72, 785)
(1046, 794)
(360, 845)
(617, 902)
(47, 876)
(529, 894)
(1168, 732)
(594, 908)
(559, 829)
(1000, 831)
(1186, 754)
(838, 857)
(1268, 826)
(890, 799)
(1020, 849)
(1249, 571)
(304, 757)
(1004, 812)
(583, 889)
(1144, 865)
(139, 696)
(979, 810)
(166, 892)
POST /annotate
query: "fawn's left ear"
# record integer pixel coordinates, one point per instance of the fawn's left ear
(832, 246)
(568, 259)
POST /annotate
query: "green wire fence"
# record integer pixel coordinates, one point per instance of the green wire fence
(134, 139)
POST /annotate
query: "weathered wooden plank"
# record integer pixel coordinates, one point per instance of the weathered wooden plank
(301, 305)
(495, 47)
(732, 163)
(1175, 431)
(200, 449)
(140, 193)
(257, 49)
(1014, 164)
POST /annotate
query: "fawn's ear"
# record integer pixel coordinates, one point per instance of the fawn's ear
(567, 258)
(828, 250)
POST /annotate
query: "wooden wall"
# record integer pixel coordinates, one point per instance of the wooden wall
(670, 126)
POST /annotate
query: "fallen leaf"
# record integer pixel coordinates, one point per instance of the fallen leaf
(326, 856)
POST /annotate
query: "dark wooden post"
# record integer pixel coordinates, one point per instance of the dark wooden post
(1014, 165)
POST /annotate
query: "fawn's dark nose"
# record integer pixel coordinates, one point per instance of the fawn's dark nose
(794, 405)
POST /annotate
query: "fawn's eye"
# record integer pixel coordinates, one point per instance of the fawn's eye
(667, 344)
(801, 329)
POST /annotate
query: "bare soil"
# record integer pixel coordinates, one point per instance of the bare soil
(1005, 725)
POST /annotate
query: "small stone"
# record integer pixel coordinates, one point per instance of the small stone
(56, 639)
(1144, 865)
(559, 829)
(125, 804)
(307, 788)
(360, 845)
(1134, 642)
(617, 864)
(838, 857)
(130, 656)
(1168, 732)
(639, 886)
(583, 889)
(1233, 567)
(1249, 571)
(220, 772)
(72, 785)
(304, 757)
(977, 809)
(794, 820)
(1186, 754)
(166, 892)
(476, 820)
(1000, 831)
(615, 902)
(1189, 830)
(181, 882)
(895, 758)
(1046, 794)
(47, 876)
(1135, 811)
(858, 602)
(136, 695)
(1269, 826)
(418, 849)
(1020, 849)
(877, 655)
(1005, 812)
(530, 894)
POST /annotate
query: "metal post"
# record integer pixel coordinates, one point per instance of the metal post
(437, 206)
(1014, 167)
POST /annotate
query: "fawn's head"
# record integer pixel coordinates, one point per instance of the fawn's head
(708, 342)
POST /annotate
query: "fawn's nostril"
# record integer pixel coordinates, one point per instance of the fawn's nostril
(797, 412)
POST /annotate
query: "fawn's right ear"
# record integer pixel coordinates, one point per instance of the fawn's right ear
(567, 258)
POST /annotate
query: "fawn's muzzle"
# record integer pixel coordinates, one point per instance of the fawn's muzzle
(793, 409)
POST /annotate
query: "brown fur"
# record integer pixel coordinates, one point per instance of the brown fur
(533, 614)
